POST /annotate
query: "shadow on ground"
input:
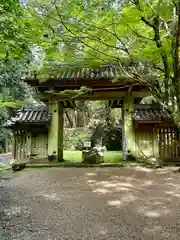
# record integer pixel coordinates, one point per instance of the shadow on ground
(123, 203)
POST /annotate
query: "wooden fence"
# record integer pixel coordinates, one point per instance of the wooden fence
(27, 146)
(169, 143)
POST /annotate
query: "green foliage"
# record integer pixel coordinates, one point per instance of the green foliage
(75, 138)
(139, 36)
(17, 38)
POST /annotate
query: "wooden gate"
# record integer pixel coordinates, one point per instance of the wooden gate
(169, 143)
(39, 146)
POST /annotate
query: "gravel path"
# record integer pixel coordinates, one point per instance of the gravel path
(79, 203)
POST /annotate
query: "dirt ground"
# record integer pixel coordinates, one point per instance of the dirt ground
(89, 203)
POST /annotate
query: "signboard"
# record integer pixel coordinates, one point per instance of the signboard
(87, 144)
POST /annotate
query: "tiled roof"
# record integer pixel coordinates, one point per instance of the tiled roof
(107, 72)
(40, 115)
(150, 113)
(25, 115)
(75, 73)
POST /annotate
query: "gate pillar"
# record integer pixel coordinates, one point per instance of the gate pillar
(128, 128)
(55, 134)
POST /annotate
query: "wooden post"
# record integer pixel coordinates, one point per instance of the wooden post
(60, 132)
(14, 143)
(28, 145)
(129, 133)
(55, 134)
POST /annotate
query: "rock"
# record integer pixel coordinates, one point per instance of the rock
(18, 166)
(94, 155)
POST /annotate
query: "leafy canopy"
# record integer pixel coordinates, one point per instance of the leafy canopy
(142, 37)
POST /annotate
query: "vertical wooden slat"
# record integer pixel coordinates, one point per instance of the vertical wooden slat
(29, 146)
(23, 146)
(19, 145)
(160, 141)
(156, 138)
(16, 157)
(168, 143)
(176, 144)
(179, 146)
(165, 142)
(41, 141)
(43, 145)
(39, 146)
(164, 145)
(18, 151)
(172, 143)
(138, 145)
(136, 150)
(14, 145)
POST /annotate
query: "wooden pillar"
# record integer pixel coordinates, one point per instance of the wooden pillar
(28, 145)
(55, 134)
(155, 142)
(14, 143)
(21, 146)
(129, 133)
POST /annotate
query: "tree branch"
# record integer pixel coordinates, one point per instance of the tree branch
(141, 36)
(68, 43)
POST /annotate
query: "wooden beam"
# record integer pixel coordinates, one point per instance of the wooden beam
(141, 94)
(95, 95)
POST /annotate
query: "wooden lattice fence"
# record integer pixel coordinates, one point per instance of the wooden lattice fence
(169, 143)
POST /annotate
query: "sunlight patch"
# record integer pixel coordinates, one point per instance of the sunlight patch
(152, 214)
(110, 185)
(144, 169)
(102, 190)
(148, 183)
(122, 189)
(91, 181)
(154, 210)
(175, 194)
(102, 232)
(124, 184)
(115, 203)
(90, 174)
